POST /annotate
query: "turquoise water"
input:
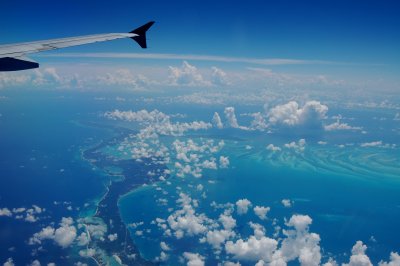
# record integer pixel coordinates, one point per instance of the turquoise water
(346, 204)
(351, 193)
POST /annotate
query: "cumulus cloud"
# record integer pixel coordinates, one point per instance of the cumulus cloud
(163, 256)
(231, 117)
(13, 80)
(64, 235)
(186, 221)
(252, 249)
(87, 253)
(378, 143)
(261, 212)
(287, 203)
(35, 263)
(258, 122)
(300, 243)
(113, 237)
(193, 259)
(186, 75)
(5, 212)
(157, 122)
(154, 116)
(217, 121)
(27, 214)
(223, 162)
(217, 237)
(340, 126)
(9, 262)
(358, 256)
(190, 154)
(219, 77)
(298, 146)
(297, 243)
(164, 246)
(242, 206)
(394, 260)
(83, 239)
(272, 147)
(44, 77)
(372, 144)
(291, 114)
(124, 78)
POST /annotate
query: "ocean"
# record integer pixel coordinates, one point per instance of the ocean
(350, 192)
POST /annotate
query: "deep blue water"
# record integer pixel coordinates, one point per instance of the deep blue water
(43, 133)
(40, 142)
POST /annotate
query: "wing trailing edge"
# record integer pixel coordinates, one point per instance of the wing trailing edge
(12, 56)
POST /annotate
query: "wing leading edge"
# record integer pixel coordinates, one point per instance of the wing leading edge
(12, 56)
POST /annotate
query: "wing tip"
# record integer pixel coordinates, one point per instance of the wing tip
(141, 34)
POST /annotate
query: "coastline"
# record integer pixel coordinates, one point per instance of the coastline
(134, 175)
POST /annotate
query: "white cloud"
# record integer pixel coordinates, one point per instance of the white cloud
(35, 263)
(217, 121)
(291, 114)
(394, 260)
(186, 75)
(186, 221)
(113, 237)
(156, 122)
(5, 212)
(37, 77)
(154, 116)
(45, 233)
(358, 256)
(258, 122)
(372, 144)
(272, 147)
(86, 253)
(397, 117)
(298, 147)
(83, 239)
(30, 214)
(124, 78)
(252, 249)
(242, 206)
(379, 144)
(193, 259)
(301, 244)
(261, 212)
(223, 162)
(164, 246)
(9, 262)
(340, 126)
(190, 157)
(231, 117)
(64, 235)
(219, 77)
(229, 263)
(217, 237)
(163, 257)
(287, 203)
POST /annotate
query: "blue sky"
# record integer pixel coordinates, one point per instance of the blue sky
(362, 34)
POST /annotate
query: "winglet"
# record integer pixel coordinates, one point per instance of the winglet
(141, 34)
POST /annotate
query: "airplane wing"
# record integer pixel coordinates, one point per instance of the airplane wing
(12, 56)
